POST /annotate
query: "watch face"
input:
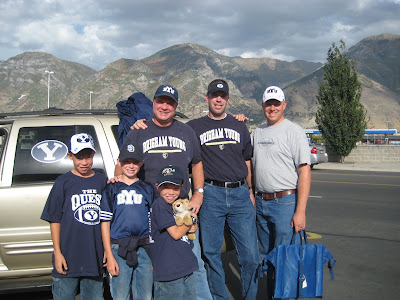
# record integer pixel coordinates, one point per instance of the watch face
(200, 190)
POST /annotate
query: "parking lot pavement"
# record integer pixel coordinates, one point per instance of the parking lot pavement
(357, 166)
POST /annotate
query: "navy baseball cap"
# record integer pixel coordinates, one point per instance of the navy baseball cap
(170, 174)
(167, 90)
(218, 86)
(130, 151)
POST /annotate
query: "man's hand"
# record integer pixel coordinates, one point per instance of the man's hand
(139, 124)
(195, 202)
(298, 221)
(194, 227)
(60, 263)
(114, 179)
(253, 198)
(241, 118)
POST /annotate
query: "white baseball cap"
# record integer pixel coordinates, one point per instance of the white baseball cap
(81, 141)
(273, 92)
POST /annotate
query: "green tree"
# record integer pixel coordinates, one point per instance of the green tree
(340, 116)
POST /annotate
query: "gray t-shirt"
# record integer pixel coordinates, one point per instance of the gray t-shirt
(278, 151)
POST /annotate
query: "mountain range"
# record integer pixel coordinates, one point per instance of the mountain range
(190, 67)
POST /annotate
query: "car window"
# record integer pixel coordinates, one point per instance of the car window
(41, 153)
(3, 138)
(114, 129)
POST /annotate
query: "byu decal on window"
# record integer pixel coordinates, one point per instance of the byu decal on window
(49, 151)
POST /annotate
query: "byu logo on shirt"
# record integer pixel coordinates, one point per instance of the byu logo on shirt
(129, 197)
(86, 207)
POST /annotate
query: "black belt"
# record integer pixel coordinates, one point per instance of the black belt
(270, 196)
(230, 185)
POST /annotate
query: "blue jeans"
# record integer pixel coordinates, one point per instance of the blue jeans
(179, 289)
(200, 275)
(91, 288)
(274, 228)
(139, 280)
(235, 207)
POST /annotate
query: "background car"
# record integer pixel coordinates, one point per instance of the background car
(318, 154)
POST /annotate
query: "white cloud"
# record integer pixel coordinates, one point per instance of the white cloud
(270, 53)
(97, 33)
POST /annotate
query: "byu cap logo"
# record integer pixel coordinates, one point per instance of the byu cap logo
(169, 89)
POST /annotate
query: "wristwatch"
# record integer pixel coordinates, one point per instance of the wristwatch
(194, 220)
(200, 190)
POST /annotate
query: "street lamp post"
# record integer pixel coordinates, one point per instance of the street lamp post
(48, 87)
(90, 99)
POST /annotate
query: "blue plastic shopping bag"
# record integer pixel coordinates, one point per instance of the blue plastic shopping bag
(299, 269)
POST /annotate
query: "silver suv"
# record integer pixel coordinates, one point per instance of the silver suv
(33, 148)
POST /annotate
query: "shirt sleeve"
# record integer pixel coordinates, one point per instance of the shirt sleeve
(53, 210)
(196, 146)
(106, 206)
(247, 146)
(301, 149)
(165, 217)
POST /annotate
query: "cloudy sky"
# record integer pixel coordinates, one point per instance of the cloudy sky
(98, 32)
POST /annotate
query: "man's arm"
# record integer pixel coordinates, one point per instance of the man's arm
(198, 182)
(241, 118)
(59, 260)
(139, 124)
(303, 191)
(249, 180)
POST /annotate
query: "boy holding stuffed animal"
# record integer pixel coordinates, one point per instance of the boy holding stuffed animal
(125, 229)
(171, 253)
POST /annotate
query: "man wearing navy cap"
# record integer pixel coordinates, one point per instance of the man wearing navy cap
(226, 153)
(167, 141)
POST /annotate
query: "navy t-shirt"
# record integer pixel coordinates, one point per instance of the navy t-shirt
(162, 146)
(74, 202)
(225, 145)
(172, 259)
(127, 207)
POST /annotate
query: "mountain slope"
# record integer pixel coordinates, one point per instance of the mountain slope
(375, 57)
(378, 57)
(25, 74)
(190, 68)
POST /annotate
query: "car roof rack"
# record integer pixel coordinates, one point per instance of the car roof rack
(58, 112)
(52, 111)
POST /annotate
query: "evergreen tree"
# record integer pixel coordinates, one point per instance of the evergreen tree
(341, 115)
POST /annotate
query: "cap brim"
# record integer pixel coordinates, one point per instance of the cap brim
(265, 100)
(76, 152)
(215, 89)
(167, 181)
(165, 95)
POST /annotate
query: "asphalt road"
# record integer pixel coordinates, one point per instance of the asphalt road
(355, 214)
